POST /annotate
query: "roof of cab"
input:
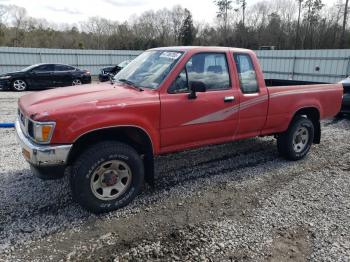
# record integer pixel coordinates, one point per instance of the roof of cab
(201, 48)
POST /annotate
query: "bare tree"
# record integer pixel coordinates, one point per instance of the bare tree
(224, 7)
(178, 15)
(18, 16)
(342, 39)
(99, 29)
(298, 24)
(243, 5)
(282, 23)
(3, 13)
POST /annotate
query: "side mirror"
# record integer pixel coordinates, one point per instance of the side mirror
(196, 86)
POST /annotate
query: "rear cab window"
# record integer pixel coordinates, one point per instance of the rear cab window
(246, 73)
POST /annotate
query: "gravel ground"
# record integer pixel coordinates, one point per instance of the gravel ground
(232, 202)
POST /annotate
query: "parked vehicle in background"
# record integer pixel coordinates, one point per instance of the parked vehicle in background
(345, 109)
(166, 100)
(110, 71)
(267, 47)
(43, 76)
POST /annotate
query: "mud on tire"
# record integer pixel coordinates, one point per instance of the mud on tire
(86, 170)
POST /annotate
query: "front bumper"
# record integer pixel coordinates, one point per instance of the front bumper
(5, 84)
(103, 77)
(42, 155)
(86, 79)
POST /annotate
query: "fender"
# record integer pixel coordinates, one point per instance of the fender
(117, 126)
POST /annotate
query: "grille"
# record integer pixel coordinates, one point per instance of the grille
(30, 129)
(27, 125)
(22, 119)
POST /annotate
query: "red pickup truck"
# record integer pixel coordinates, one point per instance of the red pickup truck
(166, 100)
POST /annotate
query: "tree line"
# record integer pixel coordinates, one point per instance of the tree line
(284, 24)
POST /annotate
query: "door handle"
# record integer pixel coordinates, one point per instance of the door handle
(229, 99)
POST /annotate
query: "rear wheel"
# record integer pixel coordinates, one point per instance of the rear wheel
(296, 142)
(19, 85)
(107, 176)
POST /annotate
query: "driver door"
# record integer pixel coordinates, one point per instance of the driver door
(210, 117)
(42, 76)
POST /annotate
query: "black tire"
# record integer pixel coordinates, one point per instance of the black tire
(89, 161)
(285, 140)
(19, 85)
(77, 82)
(339, 115)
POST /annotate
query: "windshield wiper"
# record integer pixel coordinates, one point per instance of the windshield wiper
(130, 83)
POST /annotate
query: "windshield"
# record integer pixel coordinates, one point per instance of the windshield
(124, 63)
(149, 69)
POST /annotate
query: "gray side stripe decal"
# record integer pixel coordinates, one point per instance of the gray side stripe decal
(227, 112)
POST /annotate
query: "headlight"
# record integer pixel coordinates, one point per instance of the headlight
(43, 131)
(5, 77)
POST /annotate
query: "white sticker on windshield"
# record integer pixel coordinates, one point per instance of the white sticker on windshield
(170, 55)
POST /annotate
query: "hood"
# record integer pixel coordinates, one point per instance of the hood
(42, 106)
(12, 73)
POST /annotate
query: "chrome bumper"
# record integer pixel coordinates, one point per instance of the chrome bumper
(41, 155)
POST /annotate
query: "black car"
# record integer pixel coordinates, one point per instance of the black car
(346, 97)
(42, 76)
(111, 71)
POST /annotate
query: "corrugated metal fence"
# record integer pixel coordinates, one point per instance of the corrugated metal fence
(12, 59)
(307, 65)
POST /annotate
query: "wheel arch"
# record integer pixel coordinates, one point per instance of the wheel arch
(313, 114)
(134, 136)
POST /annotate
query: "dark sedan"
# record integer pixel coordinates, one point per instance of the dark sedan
(43, 76)
(109, 71)
(346, 97)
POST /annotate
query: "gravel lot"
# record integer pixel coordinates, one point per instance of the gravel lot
(232, 202)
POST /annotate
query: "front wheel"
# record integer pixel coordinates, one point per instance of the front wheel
(19, 85)
(76, 82)
(296, 142)
(107, 176)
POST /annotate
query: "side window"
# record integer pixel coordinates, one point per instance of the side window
(180, 84)
(43, 68)
(63, 68)
(209, 68)
(246, 73)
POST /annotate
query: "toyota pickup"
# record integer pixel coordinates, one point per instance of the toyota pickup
(166, 100)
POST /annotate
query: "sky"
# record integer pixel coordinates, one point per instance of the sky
(75, 11)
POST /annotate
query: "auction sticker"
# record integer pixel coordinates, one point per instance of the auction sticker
(170, 55)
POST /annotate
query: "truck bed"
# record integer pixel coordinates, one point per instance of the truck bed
(282, 82)
(283, 100)
(285, 83)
